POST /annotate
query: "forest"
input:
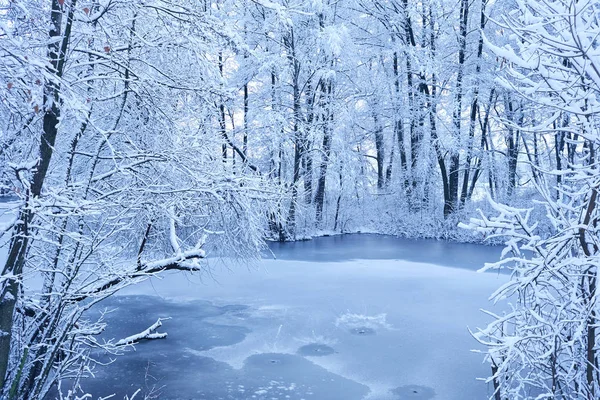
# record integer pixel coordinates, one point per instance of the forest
(144, 136)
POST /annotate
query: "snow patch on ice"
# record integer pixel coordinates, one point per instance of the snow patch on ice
(275, 387)
(272, 308)
(368, 323)
(314, 338)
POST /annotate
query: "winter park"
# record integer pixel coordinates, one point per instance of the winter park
(299, 199)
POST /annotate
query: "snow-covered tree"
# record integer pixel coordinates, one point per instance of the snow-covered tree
(546, 346)
(108, 142)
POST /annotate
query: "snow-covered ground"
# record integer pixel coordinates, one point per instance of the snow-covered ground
(331, 323)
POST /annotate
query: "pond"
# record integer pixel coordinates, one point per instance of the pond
(343, 317)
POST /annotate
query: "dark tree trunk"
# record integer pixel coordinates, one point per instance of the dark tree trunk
(19, 244)
(339, 199)
(298, 140)
(306, 144)
(327, 89)
(246, 121)
(380, 152)
(414, 135)
(399, 123)
(512, 145)
(483, 144)
(222, 124)
(465, 192)
(452, 206)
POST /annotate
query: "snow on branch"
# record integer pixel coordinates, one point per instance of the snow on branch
(147, 334)
(185, 261)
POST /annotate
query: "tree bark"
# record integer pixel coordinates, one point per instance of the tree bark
(326, 89)
(20, 243)
(465, 192)
(452, 205)
(295, 65)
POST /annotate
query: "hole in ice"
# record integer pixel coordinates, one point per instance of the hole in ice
(414, 392)
(362, 331)
(315, 350)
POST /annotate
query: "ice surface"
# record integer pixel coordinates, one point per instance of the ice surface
(315, 350)
(366, 246)
(414, 392)
(342, 317)
(307, 329)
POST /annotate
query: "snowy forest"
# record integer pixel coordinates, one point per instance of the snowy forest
(139, 137)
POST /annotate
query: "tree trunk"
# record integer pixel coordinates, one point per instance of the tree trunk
(380, 151)
(457, 117)
(246, 121)
(19, 244)
(222, 125)
(399, 123)
(465, 192)
(306, 145)
(295, 64)
(483, 145)
(512, 146)
(327, 89)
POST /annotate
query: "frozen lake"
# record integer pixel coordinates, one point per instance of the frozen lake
(336, 318)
